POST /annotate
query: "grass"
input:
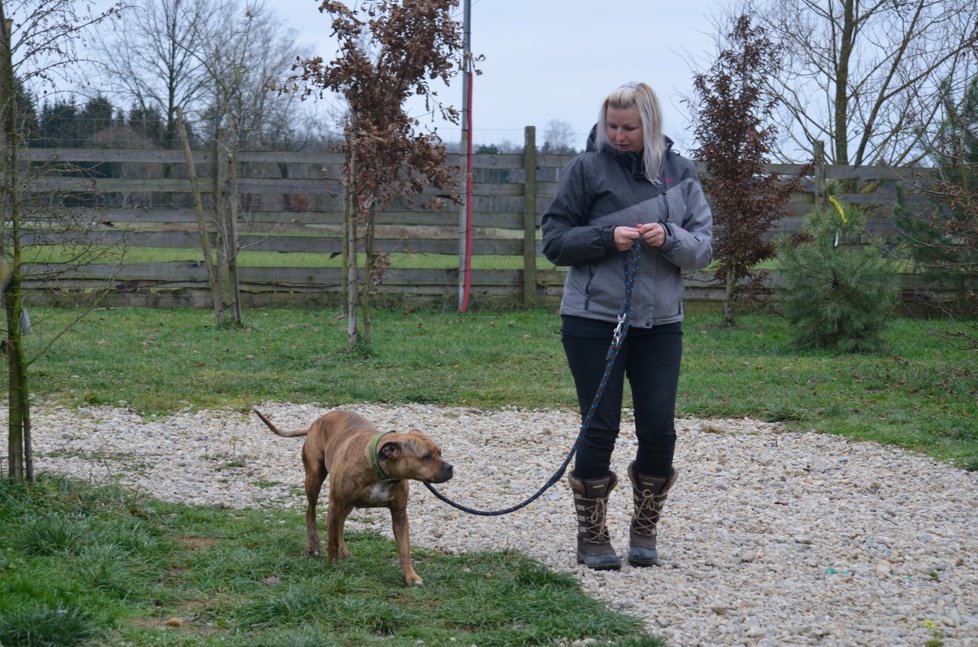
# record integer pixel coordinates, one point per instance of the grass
(80, 565)
(134, 255)
(101, 566)
(921, 393)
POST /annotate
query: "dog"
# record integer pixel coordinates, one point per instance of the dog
(367, 469)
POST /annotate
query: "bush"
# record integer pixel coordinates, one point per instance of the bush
(837, 290)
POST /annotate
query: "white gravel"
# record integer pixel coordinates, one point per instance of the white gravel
(768, 538)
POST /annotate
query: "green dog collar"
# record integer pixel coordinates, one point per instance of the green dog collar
(374, 461)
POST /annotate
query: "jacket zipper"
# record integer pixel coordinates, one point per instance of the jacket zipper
(587, 288)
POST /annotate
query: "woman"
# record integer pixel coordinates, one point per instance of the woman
(629, 188)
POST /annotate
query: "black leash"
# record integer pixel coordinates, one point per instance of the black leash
(617, 338)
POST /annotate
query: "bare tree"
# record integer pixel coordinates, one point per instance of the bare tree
(214, 62)
(153, 56)
(247, 52)
(388, 52)
(213, 59)
(44, 39)
(41, 48)
(558, 137)
(866, 76)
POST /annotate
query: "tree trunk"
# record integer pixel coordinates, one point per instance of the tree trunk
(18, 420)
(730, 293)
(842, 84)
(350, 256)
(213, 280)
(221, 218)
(368, 281)
(232, 232)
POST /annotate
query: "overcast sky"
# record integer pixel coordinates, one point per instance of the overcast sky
(558, 59)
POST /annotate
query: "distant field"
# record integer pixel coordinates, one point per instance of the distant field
(299, 259)
(292, 259)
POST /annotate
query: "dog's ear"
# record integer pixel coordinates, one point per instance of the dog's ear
(390, 450)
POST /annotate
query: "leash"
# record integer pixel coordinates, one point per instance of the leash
(617, 339)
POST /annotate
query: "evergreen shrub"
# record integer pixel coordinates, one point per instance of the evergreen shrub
(837, 288)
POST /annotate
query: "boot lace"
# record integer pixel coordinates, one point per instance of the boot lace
(593, 514)
(648, 507)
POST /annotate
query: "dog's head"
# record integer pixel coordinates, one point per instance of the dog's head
(412, 455)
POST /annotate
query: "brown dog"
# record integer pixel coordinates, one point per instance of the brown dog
(367, 469)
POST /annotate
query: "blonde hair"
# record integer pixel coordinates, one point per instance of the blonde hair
(641, 97)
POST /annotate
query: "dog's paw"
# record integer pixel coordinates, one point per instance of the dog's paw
(413, 580)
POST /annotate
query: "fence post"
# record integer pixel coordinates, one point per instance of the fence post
(530, 216)
(819, 158)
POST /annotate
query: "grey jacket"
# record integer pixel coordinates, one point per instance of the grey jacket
(599, 190)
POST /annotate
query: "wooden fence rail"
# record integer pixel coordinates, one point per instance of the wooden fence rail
(292, 202)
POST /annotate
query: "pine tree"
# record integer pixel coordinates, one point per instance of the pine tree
(942, 241)
(837, 290)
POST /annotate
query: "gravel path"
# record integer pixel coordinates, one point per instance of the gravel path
(768, 538)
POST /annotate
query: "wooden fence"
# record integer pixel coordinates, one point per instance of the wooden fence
(292, 202)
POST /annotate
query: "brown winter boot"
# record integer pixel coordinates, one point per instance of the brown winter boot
(649, 494)
(594, 548)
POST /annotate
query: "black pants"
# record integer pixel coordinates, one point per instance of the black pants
(650, 358)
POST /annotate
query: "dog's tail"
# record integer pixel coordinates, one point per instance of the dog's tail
(283, 434)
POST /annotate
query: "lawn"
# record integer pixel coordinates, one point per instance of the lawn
(81, 565)
(920, 392)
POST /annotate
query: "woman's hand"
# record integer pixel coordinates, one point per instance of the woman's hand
(653, 234)
(625, 237)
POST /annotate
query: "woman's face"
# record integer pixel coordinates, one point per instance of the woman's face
(624, 129)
